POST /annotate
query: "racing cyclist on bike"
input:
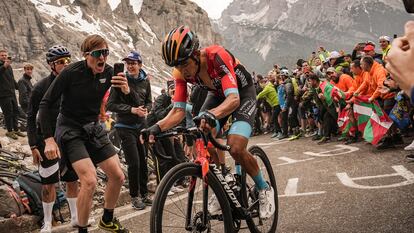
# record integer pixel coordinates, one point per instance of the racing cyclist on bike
(231, 92)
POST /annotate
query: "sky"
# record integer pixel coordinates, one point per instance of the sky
(213, 7)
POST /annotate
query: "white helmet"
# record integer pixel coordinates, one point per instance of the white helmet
(284, 72)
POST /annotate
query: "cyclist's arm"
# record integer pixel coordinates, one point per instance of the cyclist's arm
(224, 63)
(177, 113)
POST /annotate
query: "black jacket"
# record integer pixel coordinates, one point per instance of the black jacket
(33, 126)
(25, 89)
(140, 94)
(7, 83)
(82, 93)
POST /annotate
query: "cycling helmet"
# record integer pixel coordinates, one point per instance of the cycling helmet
(179, 45)
(284, 72)
(56, 52)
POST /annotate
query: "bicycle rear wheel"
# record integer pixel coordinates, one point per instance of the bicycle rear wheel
(250, 194)
(170, 211)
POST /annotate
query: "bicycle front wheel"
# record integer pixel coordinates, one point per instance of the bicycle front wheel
(178, 203)
(250, 194)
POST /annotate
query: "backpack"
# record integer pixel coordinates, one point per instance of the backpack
(10, 202)
(30, 183)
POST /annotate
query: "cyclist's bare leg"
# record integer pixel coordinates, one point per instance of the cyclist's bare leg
(116, 178)
(240, 154)
(86, 172)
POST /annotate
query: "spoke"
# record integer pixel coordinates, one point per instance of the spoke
(174, 214)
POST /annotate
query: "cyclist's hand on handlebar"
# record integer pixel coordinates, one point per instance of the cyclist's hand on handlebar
(149, 133)
(206, 121)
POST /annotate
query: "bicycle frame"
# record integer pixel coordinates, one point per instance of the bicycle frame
(203, 159)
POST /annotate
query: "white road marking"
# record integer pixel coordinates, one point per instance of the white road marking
(400, 171)
(291, 161)
(292, 189)
(342, 149)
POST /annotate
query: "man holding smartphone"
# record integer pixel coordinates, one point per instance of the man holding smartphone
(83, 142)
(132, 110)
(8, 100)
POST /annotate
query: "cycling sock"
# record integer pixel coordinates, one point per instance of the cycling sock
(238, 169)
(73, 209)
(108, 215)
(82, 229)
(47, 212)
(260, 181)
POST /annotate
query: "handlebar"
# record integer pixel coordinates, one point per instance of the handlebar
(196, 132)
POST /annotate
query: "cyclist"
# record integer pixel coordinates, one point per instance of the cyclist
(231, 92)
(57, 57)
(82, 140)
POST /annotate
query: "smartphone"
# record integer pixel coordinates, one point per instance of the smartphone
(409, 6)
(118, 68)
(395, 36)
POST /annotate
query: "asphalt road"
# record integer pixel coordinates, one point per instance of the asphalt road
(329, 188)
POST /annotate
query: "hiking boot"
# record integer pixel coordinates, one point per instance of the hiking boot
(12, 135)
(386, 144)
(137, 203)
(324, 140)
(316, 137)
(46, 228)
(410, 147)
(397, 139)
(410, 157)
(283, 136)
(267, 205)
(350, 140)
(20, 134)
(113, 226)
(146, 200)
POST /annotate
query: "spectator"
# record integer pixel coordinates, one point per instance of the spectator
(400, 64)
(131, 111)
(369, 50)
(270, 95)
(25, 87)
(82, 140)
(57, 57)
(8, 101)
(385, 43)
(337, 61)
(341, 81)
(377, 76)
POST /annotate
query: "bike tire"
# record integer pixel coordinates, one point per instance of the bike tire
(260, 154)
(177, 172)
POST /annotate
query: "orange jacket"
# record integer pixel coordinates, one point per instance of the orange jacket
(373, 84)
(344, 83)
(357, 83)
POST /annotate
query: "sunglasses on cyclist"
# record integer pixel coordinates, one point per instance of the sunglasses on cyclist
(99, 53)
(62, 61)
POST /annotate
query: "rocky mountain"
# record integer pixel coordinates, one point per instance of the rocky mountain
(29, 27)
(264, 32)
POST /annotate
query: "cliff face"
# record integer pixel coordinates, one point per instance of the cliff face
(29, 28)
(263, 32)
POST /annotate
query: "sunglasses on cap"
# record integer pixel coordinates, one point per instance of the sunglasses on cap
(99, 53)
(62, 61)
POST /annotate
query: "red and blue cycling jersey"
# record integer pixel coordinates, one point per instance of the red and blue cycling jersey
(221, 66)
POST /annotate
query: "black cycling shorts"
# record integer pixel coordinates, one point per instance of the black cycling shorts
(244, 116)
(50, 170)
(89, 141)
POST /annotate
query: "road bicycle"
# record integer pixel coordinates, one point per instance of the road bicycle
(188, 211)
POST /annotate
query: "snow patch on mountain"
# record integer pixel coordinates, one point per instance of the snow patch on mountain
(136, 5)
(290, 3)
(266, 48)
(251, 17)
(114, 4)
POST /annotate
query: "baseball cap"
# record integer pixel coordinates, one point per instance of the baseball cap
(133, 56)
(387, 38)
(334, 54)
(331, 70)
(369, 48)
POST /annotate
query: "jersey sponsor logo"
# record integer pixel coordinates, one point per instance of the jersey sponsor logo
(248, 108)
(241, 77)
